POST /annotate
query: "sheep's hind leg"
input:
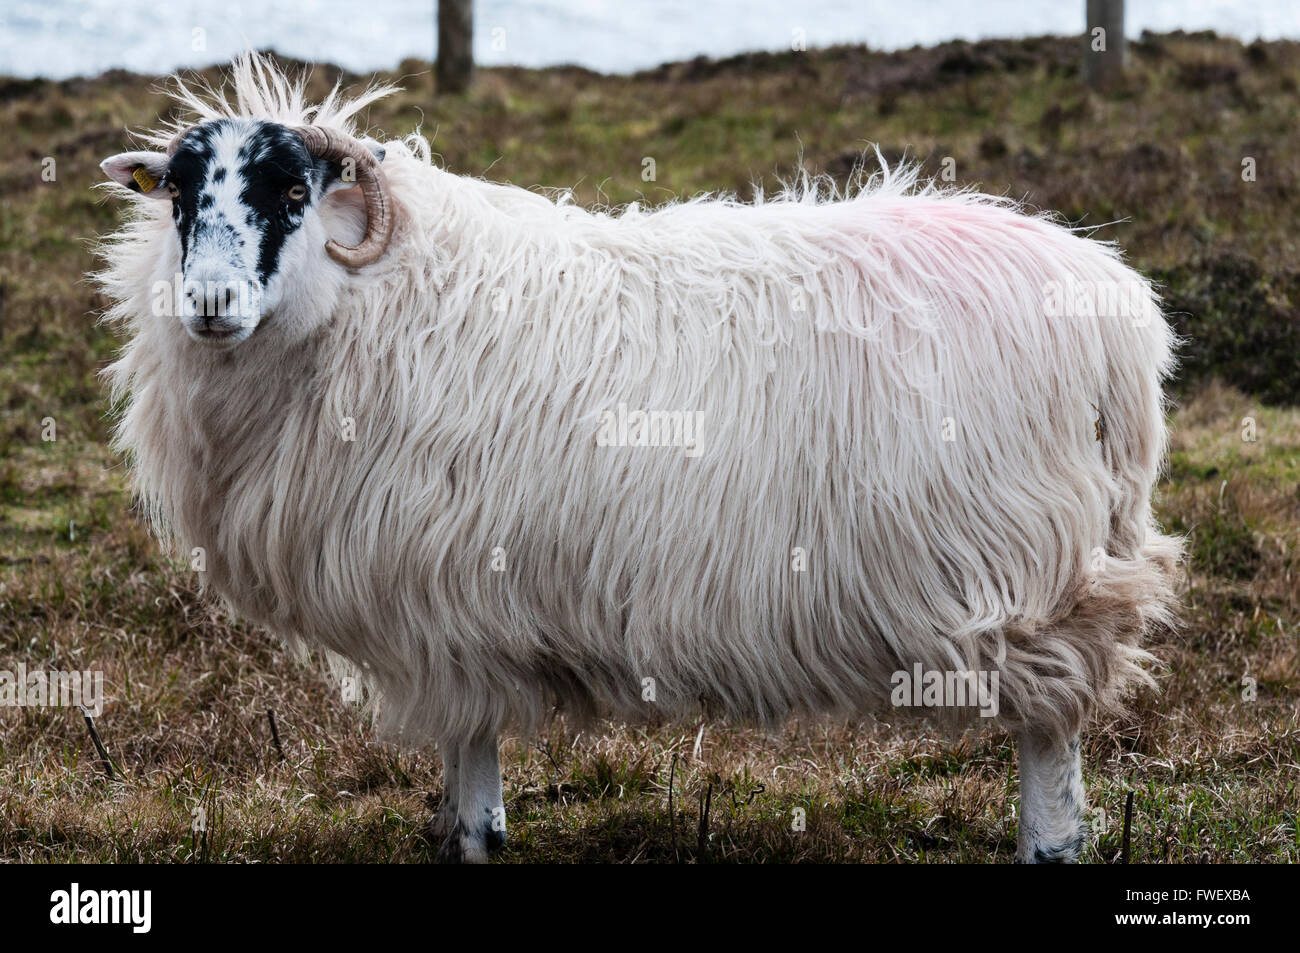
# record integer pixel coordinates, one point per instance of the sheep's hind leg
(480, 820)
(1053, 827)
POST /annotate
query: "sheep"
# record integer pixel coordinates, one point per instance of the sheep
(923, 441)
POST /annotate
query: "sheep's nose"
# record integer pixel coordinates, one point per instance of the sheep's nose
(213, 299)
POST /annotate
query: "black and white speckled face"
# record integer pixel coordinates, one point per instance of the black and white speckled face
(241, 186)
(240, 190)
(246, 196)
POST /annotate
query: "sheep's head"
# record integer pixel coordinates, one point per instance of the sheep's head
(247, 198)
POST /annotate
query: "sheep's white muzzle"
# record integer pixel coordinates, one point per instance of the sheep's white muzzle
(219, 308)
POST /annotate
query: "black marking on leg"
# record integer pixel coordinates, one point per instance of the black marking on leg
(493, 838)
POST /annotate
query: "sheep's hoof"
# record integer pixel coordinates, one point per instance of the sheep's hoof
(465, 847)
(1067, 853)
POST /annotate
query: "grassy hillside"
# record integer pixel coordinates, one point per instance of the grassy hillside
(1157, 164)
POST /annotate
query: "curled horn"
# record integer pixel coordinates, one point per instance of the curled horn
(176, 142)
(335, 146)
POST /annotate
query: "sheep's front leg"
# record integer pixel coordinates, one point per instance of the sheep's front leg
(480, 820)
(445, 819)
(1053, 828)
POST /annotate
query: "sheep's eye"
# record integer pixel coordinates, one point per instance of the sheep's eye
(173, 190)
(296, 193)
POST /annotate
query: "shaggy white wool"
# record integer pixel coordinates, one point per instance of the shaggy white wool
(481, 557)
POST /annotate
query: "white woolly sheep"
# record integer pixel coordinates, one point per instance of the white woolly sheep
(916, 433)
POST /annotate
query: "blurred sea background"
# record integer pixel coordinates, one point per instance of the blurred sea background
(62, 38)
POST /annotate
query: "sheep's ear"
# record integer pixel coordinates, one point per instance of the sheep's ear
(343, 177)
(139, 171)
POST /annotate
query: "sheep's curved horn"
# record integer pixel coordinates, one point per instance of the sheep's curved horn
(336, 146)
(176, 142)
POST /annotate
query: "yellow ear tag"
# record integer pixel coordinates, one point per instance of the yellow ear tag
(146, 181)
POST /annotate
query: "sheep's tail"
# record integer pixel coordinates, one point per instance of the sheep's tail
(1139, 569)
(1131, 421)
(1090, 659)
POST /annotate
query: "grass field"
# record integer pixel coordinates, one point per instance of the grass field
(1214, 767)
